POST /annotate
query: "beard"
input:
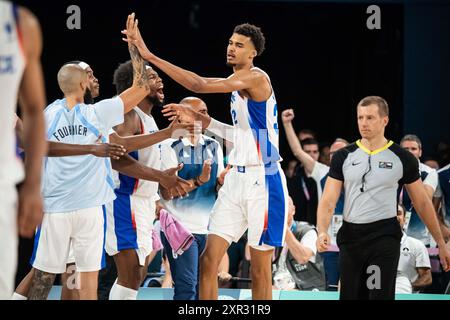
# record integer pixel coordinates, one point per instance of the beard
(88, 99)
(231, 65)
(156, 102)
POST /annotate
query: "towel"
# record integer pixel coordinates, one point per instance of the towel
(156, 241)
(178, 237)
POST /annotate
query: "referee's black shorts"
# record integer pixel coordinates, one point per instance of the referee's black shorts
(369, 255)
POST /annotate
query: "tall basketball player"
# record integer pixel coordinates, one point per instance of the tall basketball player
(254, 195)
(20, 76)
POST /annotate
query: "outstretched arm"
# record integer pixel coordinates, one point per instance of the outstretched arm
(308, 162)
(59, 149)
(32, 102)
(167, 179)
(141, 141)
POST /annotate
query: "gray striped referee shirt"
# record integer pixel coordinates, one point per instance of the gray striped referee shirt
(372, 179)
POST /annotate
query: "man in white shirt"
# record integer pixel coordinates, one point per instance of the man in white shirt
(298, 266)
(414, 268)
(202, 159)
(415, 227)
(319, 172)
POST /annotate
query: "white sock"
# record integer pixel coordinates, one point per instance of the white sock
(119, 292)
(17, 296)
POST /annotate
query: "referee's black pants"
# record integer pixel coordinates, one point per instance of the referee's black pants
(369, 255)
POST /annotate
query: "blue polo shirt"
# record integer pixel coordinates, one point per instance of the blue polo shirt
(193, 211)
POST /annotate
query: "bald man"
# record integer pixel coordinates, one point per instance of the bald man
(76, 188)
(202, 159)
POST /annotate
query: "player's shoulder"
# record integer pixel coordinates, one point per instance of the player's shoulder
(56, 105)
(259, 73)
(132, 117)
(253, 72)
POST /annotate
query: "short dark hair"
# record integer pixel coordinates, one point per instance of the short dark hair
(383, 108)
(123, 76)
(309, 141)
(412, 137)
(307, 131)
(254, 33)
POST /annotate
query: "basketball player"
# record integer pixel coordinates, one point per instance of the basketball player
(20, 77)
(130, 217)
(254, 195)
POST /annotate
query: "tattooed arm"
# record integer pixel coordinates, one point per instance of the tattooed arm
(41, 286)
(142, 84)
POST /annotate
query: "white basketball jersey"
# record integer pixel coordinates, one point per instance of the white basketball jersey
(12, 63)
(150, 157)
(255, 135)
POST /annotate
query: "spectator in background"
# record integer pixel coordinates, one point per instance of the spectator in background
(431, 162)
(442, 204)
(202, 159)
(414, 268)
(443, 152)
(416, 228)
(302, 135)
(301, 187)
(306, 134)
(319, 172)
(441, 200)
(324, 156)
(289, 171)
(296, 265)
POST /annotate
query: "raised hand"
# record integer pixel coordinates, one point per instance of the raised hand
(172, 110)
(287, 115)
(133, 37)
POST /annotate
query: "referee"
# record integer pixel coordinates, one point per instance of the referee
(371, 170)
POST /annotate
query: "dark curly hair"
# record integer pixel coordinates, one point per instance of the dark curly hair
(254, 33)
(123, 76)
